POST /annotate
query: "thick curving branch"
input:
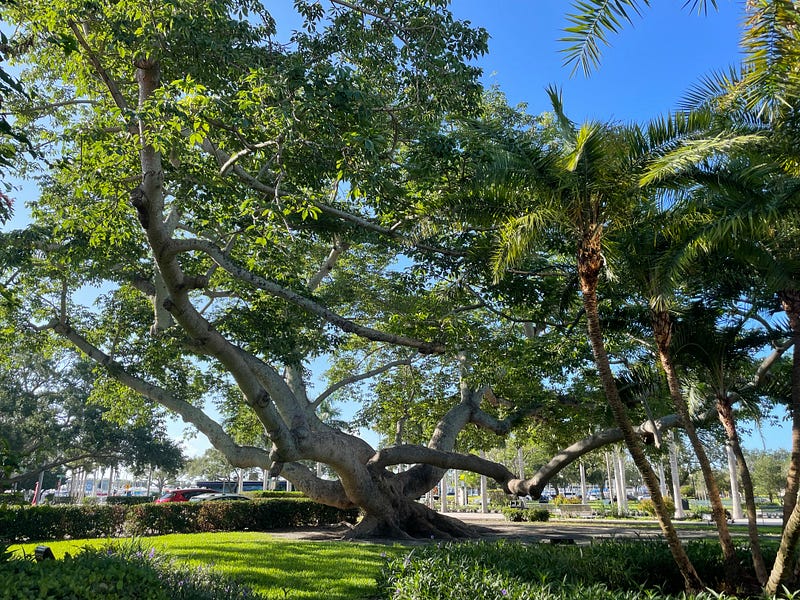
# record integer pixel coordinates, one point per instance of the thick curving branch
(567, 456)
(326, 491)
(238, 456)
(410, 454)
(298, 300)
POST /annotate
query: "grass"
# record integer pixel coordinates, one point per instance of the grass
(276, 568)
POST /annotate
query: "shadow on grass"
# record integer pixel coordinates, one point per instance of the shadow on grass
(284, 569)
(276, 568)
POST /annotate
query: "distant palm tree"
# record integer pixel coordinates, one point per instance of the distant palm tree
(643, 251)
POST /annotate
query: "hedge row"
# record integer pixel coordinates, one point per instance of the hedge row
(73, 522)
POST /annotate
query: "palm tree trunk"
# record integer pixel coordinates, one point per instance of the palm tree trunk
(662, 331)
(790, 300)
(791, 532)
(588, 271)
(727, 419)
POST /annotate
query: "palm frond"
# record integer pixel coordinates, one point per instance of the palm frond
(588, 147)
(565, 125)
(772, 51)
(694, 152)
(701, 6)
(590, 24)
(519, 236)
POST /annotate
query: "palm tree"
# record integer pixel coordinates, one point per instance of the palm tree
(643, 251)
(583, 186)
(718, 355)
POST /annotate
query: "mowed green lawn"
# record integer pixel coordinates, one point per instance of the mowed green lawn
(276, 568)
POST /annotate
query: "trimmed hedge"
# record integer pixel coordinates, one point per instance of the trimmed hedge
(129, 500)
(92, 521)
(18, 524)
(258, 515)
(274, 494)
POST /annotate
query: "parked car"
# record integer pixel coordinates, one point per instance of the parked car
(217, 497)
(183, 495)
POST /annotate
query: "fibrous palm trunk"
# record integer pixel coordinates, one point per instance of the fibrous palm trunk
(662, 330)
(790, 301)
(726, 417)
(590, 262)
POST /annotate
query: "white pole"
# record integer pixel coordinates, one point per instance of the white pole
(736, 513)
(484, 493)
(676, 480)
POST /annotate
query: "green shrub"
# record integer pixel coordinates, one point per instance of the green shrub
(129, 500)
(27, 523)
(34, 523)
(649, 508)
(258, 515)
(114, 572)
(559, 500)
(275, 494)
(525, 514)
(608, 570)
(12, 498)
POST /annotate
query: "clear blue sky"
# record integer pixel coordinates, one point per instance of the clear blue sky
(644, 73)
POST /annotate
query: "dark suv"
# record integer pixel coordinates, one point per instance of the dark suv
(182, 495)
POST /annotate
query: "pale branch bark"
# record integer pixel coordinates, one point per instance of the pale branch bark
(330, 262)
(411, 454)
(111, 85)
(769, 360)
(293, 376)
(238, 456)
(58, 462)
(500, 426)
(330, 492)
(223, 158)
(420, 478)
(356, 378)
(244, 152)
(274, 289)
(567, 456)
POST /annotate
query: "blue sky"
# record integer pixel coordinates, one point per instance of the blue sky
(644, 73)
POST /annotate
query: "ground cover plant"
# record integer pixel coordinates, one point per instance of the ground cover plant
(611, 569)
(271, 567)
(118, 571)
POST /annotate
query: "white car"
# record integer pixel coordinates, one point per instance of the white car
(218, 497)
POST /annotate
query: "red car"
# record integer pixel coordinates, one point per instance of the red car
(182, 495)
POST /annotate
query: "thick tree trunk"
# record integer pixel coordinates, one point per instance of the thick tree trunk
(728, 422)
(589, 264)
(662, 331)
